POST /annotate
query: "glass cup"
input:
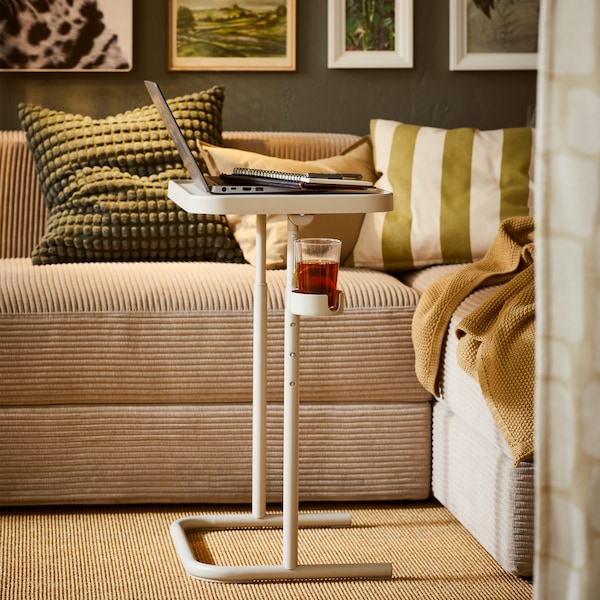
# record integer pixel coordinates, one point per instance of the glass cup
(317, 265)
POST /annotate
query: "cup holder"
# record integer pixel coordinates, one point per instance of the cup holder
(314, 305)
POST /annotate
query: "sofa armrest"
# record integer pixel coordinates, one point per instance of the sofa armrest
(22, 207)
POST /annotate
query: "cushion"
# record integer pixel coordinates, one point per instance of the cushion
(356, 159)
(452, 188)
(105, 184)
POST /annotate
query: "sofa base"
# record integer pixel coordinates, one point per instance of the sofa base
(104, 454)
(480, 486)
(143, 393)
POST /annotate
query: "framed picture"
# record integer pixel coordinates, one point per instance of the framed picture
(370, 35)
(493, 34)
(56, 36)
(221, 35)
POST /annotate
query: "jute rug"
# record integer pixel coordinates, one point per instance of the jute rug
(126, 553)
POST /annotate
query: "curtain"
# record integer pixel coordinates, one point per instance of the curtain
(567, 212)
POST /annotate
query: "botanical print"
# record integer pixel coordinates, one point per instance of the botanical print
(499, 26)
(222, 29)
(370, 25)
(63, 35)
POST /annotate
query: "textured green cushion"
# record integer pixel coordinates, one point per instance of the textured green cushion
(105, 184)
(452, 189)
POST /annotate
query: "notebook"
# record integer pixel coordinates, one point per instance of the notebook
(301, 180)
(246, 181)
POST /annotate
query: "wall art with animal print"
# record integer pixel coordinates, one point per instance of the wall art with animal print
(66, 35)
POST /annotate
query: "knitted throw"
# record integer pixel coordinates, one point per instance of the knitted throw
(497, 340)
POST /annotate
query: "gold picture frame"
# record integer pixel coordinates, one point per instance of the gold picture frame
(220, 35)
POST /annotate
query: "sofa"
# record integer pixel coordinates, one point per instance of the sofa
(130, 380)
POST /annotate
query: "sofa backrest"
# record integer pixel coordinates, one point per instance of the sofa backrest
(22, 208)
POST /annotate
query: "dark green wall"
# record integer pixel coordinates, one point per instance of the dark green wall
(313, 98)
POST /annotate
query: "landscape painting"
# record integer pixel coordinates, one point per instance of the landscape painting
(223, 35)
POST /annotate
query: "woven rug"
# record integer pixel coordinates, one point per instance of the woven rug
(126, 553)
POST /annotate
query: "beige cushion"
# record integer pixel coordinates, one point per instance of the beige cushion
(452, 188)
(356, 159)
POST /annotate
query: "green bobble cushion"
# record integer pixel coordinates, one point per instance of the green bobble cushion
(105, 184)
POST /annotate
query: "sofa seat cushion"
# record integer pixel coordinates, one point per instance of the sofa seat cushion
(182, 332)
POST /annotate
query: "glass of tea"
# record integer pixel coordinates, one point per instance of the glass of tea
(317, 266)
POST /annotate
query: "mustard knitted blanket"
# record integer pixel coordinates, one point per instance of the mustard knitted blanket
(497, 340)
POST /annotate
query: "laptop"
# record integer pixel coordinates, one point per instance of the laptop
(247, 181)
(207, 183)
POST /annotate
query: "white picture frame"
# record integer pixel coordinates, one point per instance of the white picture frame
(339, 56)
(474, 27)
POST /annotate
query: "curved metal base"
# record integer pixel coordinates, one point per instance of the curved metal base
(252, 573)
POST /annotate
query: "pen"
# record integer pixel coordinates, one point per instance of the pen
(335, 175)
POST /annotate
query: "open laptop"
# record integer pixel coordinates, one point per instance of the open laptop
(208, 183)
(244, 183)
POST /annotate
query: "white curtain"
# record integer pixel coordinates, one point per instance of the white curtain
(568, 302)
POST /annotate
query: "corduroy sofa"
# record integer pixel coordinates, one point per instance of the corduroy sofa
(131, 381)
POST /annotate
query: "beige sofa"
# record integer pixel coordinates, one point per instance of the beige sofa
(127, 382)
(132, 381)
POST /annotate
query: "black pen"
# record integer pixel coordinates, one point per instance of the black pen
(335, 175)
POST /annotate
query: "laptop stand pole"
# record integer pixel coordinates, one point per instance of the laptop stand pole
(259, 366)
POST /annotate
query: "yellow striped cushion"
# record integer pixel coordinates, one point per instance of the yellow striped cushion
(452, 188)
